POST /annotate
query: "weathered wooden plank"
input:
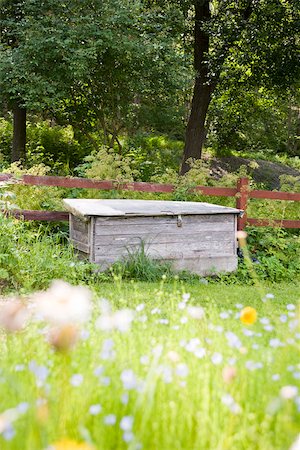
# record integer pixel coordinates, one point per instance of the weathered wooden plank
(207, 266)
(204, 218)
(85, 248)
(141, 227)
(49, 216)
(155, 230)
(201, 266)
(273, 223)
(79, 225)
(179, 237)
(168, 251)
(80, 236)
(293, 196)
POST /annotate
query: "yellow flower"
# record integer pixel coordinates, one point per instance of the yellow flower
(248, 315)
(68, 444)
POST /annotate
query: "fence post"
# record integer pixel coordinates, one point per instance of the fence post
(242, 201)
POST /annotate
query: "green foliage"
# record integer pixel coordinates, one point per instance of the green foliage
(276, 257)
(106, 164)
(30, 258)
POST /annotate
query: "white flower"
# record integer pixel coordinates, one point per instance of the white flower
(181, 305)
(94, 410)
(129, 379)
(126, 423)
(216, 358)
(296, 444)
(186, 297)
(229, 401)
(182, 370)
(64, 304)
(291, 307)
(224, 315)
(275, 343)
(196, 312)
(128, 436)
(119, 320)
(140, 307)
(76, 379)
(110, 419)
(288, 392)
(276, 377)
(233, 340)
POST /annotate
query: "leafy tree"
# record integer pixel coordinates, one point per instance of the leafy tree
(94, 63)
(257, 38)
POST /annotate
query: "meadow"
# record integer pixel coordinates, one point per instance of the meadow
(165, 365)
(107, 361)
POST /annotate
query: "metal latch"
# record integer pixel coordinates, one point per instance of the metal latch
(179, 221)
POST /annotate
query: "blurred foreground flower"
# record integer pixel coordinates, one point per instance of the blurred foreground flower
(63, 304)
(296, 444)
(248, 315)
(241, 236)
(228, 374)
(64, 338)
(68, 444)
(13, 316)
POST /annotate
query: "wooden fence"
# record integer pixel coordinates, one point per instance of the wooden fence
(241, 192)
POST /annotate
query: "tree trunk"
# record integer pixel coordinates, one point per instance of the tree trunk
(195, 131)
(19, 134)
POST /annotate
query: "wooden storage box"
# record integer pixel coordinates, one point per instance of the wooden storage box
(199, 237)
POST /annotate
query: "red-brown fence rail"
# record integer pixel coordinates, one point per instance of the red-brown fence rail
(242, 193)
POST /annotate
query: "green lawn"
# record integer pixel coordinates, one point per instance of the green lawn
(171, 381)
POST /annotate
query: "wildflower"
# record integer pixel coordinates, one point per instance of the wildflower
(144, 359)
(119, 320)
(76, 379)
(233, 340)
(128, 436)
(228, 374)
(41, 372)
(241, 236)
(253, 365)
(182, 370)
(140, 307)
(291, 307)
(224, 315)
(275, 343)
(229, 401)
(63, 304)
(128, 379)
(248, 315)
(110, 419)
(196, 312)
(13, 316)
(186, 297)
(95, 409)
(126, 423)
(69, 444)
(63, 338)
(173, 356)
(296, 444)
(275, 377)
(216, 358)
(124, 398)
(288, 392)
(181, 305)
